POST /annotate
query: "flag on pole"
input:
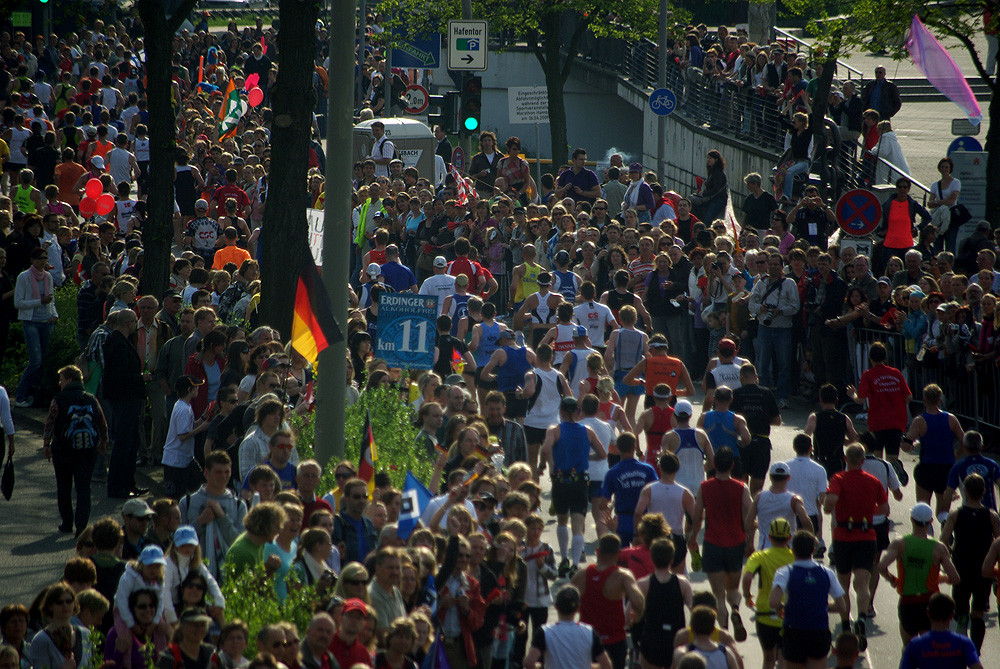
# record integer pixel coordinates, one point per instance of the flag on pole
(232, 110)
(464, 187)
(201, 69)
(314, 326)
(416, 497)
(369, 455)
(941, 70)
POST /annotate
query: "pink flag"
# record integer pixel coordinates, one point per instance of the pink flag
(263, 45)
(930, 56)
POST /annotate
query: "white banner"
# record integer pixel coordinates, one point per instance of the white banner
(314, 218)
(528, 104)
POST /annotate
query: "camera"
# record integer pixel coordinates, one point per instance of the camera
(766, 320)
(716, 265)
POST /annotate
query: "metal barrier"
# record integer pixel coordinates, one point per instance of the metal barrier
(784, 36)
(970, 394)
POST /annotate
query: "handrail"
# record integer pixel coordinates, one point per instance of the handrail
(893, 168)
(840, 63)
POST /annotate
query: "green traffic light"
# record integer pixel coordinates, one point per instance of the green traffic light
(471, 123)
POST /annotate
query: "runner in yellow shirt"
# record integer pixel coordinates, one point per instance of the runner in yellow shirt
(765, 563)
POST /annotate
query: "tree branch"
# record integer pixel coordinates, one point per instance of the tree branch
(574, 43)
(532, 39)
(175, 21)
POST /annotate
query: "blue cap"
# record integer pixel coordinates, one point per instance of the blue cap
(579, 331)
(185, 535)
(151, 555)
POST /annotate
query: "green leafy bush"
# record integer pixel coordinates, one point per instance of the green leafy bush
(394, 432)
(250, 597)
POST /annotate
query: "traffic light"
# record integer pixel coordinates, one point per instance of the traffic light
(447, 117)
(472, 104)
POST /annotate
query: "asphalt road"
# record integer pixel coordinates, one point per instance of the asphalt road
(32, 551)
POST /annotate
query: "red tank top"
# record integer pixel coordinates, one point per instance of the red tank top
(607, 617)
(654, 435)
(723, 512)
(376, 256)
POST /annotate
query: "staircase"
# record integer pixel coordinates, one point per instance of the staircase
(920, 90)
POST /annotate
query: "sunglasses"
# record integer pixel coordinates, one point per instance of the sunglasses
(358, 582)
(343, 475)
(196, 586)
(144, 607)
(286, 447)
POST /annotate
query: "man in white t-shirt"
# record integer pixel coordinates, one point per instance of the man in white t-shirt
(383, 150)
(807, 479)
(567, 644)
(440, 284)
(593, 315)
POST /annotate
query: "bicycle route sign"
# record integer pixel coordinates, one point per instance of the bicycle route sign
(407, 330)
(858, 212)
(663, 102)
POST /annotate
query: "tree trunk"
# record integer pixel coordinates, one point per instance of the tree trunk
(820, 104)
(554, 82)
(158, 231)
(993, 162)
(285, 231)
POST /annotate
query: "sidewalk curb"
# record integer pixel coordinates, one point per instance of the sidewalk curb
(34, 420)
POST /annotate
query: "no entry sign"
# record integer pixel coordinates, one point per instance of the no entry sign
(858, 212)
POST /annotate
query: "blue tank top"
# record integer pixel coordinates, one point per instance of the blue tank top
(721, 429)
(567, 284)
(937, 444)
(459, 310)
(572, 450)
(487, 342)
(510, 375)
(806, 598)
(688, 438)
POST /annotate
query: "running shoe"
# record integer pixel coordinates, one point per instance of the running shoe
(904, 478)
(695, 561)
(739, 631)
(861, 631)
(564, 568)
(820, 551)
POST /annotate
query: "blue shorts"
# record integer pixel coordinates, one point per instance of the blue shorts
(623, 389)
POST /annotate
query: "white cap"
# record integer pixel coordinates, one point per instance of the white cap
(922, 513)
(440, 261)
(201, 204)
(683, 408)
(374, 270)
(97, 162)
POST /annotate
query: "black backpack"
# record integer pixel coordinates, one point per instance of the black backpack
(79, 431)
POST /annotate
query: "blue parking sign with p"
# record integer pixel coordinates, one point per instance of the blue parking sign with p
(407, 330)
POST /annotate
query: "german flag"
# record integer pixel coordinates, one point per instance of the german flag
(369, 454)
(313, 324)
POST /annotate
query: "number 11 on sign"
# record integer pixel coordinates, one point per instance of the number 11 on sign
(421, 337)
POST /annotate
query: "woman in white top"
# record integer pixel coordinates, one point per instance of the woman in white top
(944, 196)
(889, 149)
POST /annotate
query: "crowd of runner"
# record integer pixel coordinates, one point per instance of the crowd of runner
(563, 306)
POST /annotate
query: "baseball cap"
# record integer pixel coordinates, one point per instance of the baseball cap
(777, 468)
(440, 261)
(152, 555)
(579, 331)
(185, 535)
(917, 293)
(683, 408)
(780, 528)
(884, 280)
(354, 605)
(98, 162)
(922, 513)
(201, 204)
(486, 498)
(195, 615)
(569, 405)
(727, 346)
(374, 270)
(635, 167)
(169, 293)
(276, 361)
(137, 508)
(454, 380)
(544, 279)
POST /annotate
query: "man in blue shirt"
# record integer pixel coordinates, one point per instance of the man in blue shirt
(974, 463)
(624, 482)
(940, 648)
(578, 182)
(279, 453)
(396, 275)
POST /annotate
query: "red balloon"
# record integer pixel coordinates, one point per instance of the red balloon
(88, 205)
(256, 96)
(94, 189)
(105, 204)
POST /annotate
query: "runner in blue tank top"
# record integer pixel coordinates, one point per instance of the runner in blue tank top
(507, 366)
(937, 432)
(725, 427)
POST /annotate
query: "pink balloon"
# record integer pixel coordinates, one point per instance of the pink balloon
(88, 205)
(252, 80)
(94, 188)
(256, 96)
(105, 204)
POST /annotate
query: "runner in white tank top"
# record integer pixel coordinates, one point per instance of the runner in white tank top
(544, 401)
(560, 336)
(668, 499)
(775, 502)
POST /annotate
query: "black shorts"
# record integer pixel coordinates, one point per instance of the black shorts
(851, 555)
(737, 472)
(483, 384)
(516, 407)
(716, 558)
(801, 645)
(881, 536)
(13, 167)
(976, 587)
(769, 636)
(570, 497)
(913, 618)
(534, 435)
(832, 466)
(680, 549)
(756, 457)
(888, 441)
(594, 489)
(932, 476)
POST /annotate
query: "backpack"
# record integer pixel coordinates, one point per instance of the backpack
(395, 151)
(79, 431)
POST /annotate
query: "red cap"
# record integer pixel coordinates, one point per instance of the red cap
(354, 604)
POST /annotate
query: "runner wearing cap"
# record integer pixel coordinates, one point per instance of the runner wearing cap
(440, 284)
(565, 282)
(854, 497)
(627, 347)
(656, 421)
(538, 310)
(691, 445)
(919, 560)
(202, 233)
(370, 278)
(722, 370)
(456, 305)
(725, 428)
(508, 366)
(936, 431)
(774, 502)
(973, 527)
(574, 362)
(674, 502)
(764, 564)
(722, 503)
(567, 450)
(543, 388)
(594, 316)
(660, 367)
(561, 335)
(524, 279)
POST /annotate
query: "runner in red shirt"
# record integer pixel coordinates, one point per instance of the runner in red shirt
(345, 645)
(231, 190)
(888, 399)
(854, 497)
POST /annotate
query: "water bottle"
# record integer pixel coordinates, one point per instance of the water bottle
(519, 338)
